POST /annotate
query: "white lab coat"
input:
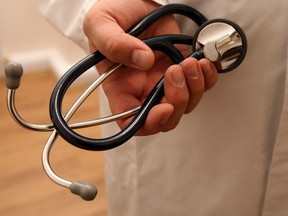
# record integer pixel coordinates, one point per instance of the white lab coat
(229, 157)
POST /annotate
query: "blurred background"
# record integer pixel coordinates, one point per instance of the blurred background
(45, 54)
(26, 36)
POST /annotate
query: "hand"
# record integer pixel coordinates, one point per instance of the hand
(105, 25)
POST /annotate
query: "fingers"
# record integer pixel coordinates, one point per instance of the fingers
(209, 72)
(184, 86)
(195, 83)
(200, 77)
(157, 119)
(105, 29)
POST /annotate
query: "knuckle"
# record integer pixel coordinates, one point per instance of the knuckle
(197, 88)
(181, 100)
(88, 23)
(210, 83)
(113, 46)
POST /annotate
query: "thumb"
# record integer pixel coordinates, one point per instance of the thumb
(107, 36)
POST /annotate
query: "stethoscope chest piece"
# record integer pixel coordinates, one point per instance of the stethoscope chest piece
(223, 43)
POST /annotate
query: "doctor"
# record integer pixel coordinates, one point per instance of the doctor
(229, 155)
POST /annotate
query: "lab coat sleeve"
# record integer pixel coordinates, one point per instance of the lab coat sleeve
(67, 17)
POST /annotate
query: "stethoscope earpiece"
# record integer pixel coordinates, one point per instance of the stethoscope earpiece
(86, 191)
(13, 72)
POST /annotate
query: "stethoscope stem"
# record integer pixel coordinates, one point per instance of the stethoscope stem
(85, 190)
(46, 162)
(11, 106)
(13, 112)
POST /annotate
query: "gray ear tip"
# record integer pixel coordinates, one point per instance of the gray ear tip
(86, 191)
(13, 72)
(14, 69)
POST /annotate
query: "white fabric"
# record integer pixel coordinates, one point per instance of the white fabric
(161, 2)
(230, 155)
(67, 17)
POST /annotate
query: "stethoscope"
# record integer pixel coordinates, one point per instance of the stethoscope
(221, 41)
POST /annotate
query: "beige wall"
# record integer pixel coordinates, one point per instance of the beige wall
(23, 29)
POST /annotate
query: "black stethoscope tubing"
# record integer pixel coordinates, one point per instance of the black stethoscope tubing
(164, 44)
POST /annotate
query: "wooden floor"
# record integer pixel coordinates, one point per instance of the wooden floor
(25, 190)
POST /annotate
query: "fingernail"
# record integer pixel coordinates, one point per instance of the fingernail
(178, 78)
(140, 58)
(192, 70)
(206, 69)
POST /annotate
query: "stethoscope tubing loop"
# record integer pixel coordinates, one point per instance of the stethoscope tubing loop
(155, 96)
(179, 9)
